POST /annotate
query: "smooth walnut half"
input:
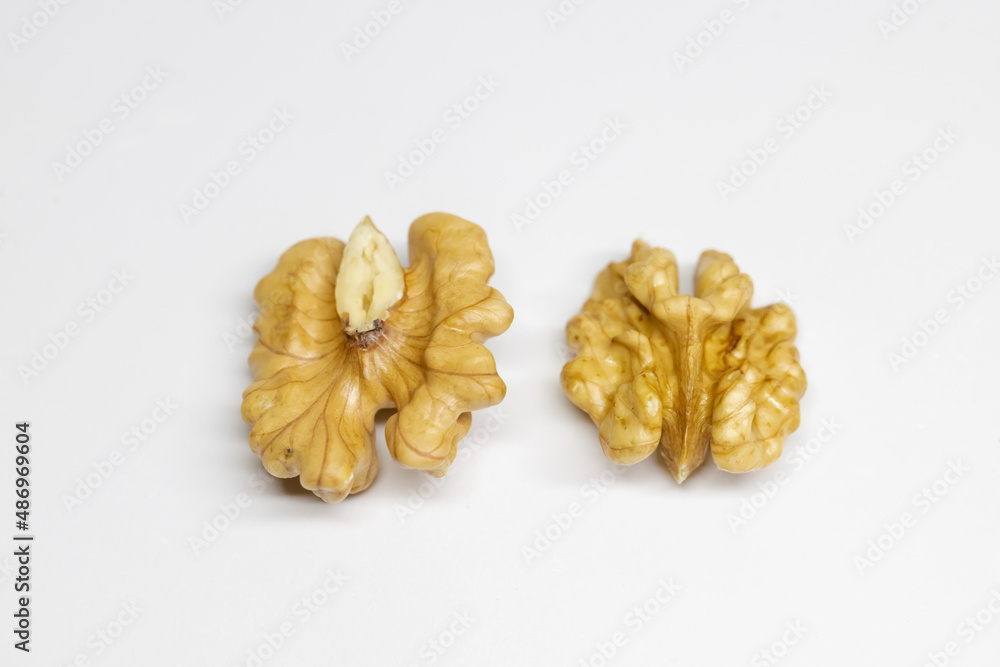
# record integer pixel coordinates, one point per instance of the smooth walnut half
(345, 331)
(687, 373)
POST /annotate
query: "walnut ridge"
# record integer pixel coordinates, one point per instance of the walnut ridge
(685, 374)
(346, 331)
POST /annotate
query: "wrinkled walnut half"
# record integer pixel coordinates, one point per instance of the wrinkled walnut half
(687, 373)
(345, 331)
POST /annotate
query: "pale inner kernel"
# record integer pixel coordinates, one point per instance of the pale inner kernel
(370, 281)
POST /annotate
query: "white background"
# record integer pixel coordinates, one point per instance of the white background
(169, 333)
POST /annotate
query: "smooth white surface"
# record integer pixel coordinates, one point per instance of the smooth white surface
(164, 335)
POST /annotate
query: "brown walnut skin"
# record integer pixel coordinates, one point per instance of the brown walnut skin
(685, 374)
(317, 388)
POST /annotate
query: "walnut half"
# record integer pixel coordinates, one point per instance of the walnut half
(346, 331)
(685, 373)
